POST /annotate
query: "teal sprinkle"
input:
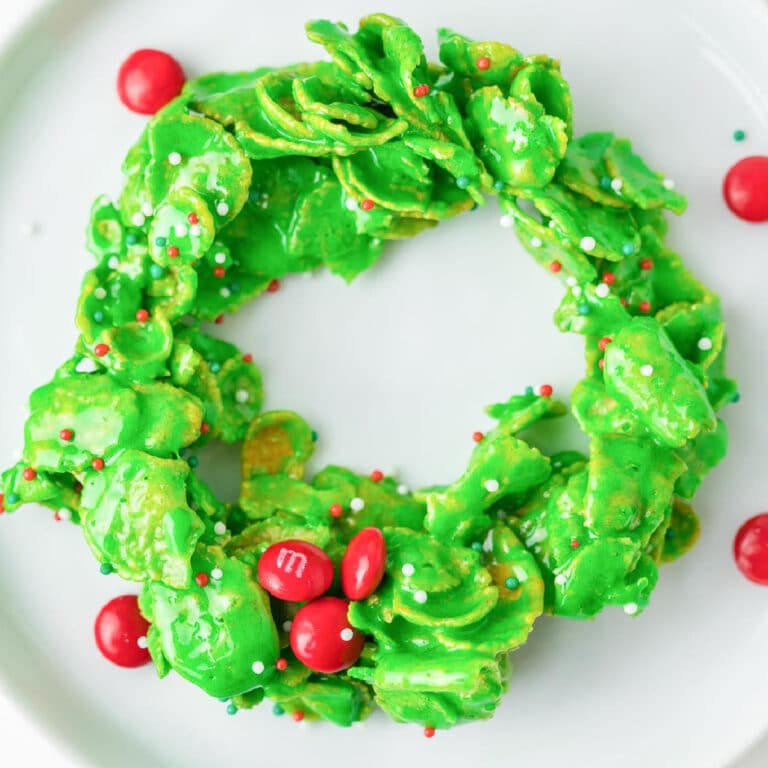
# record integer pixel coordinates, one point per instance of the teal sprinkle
(314, 436)
(474, 207)
(231, 709)
(583, 309)
(462, 182)
(670, 534)
(511, 582)
(182, 452)
(160, 242)
(278, 710)
(131, 239)
(498, 185)
(215, 367)
(156, 271)
(98, 316)
(628, 249)
(226, 698)
(736, 397)
(605, 182)
(234, 287)
(739, 135)
(193, 461)
(477, 546)
(106, 569)
(12, 498)
(529, 390)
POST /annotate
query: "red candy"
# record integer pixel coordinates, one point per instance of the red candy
(745, 188)
(322, 638)
(117, 630)
(750, 549)
(295, 570)
(148, 80)
(362, 567)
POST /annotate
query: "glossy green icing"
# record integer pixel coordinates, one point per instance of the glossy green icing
(247, 177)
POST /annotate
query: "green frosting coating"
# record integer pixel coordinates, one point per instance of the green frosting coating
(247, 177)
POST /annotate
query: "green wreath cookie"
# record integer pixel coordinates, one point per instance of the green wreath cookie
(326, 594)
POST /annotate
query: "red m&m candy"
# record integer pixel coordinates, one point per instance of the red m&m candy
(322, 638)
(121, 632)
(750, 549)
(148, 80)
(745, 188)
(363, 565)
(295, 570)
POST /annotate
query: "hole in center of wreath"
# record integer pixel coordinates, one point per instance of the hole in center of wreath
(393, 371)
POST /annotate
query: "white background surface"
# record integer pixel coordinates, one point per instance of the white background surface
(675, 667)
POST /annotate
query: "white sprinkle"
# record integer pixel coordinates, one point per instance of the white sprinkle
(86, 365)
(258, 667)
(552, 224)
(536, 242)
(616, 185)
(65, 514)
(217, 573)
(576, 290)
(225, 293)
(506, 221)
(287, 625)
(571, 280)
(180, 230)
(492, 486)
(138, 219)
(220, 257)
(195, 230)
(668, 184)
(408, 569)
(602, 290)
(402, 489)
(420, 596)
(631, 609)
(242, 396)
(174, 158)
(222, 209)
(147, 209)
(351, 204)
(347, 634)
(560, 579)
(587, 243)
(220, 528)
(646, 370)
(100, 293)
(357, 504)
(142, 641)
(704, 344)
(113, 262)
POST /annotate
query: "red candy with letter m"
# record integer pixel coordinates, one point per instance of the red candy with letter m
(295, 570)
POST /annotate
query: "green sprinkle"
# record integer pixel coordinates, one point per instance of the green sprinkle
(528, 390)
(160, 242)
(215, 367)
(583, 309)
(477, 546)
(12, 498)
(739, 135)
(511, 582)
(462, 182)
(627, 249)
(278, 710)
(231, 709)
(131, 239)
(670, 533)
(98, 316)
(498, 185)
(156, 271)
(605, 182)
(193, 461)
(736, 397)
(314, 436)
(106, 569)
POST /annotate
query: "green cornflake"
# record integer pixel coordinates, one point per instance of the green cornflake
(247, 177)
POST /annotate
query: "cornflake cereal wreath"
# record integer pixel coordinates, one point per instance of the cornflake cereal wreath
(247, 177)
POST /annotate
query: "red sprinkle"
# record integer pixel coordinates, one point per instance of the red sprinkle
(29, 474)
(478, 437)
(336, 510)
(555, 266)
(274, 286)
(78, 487)
(609, 278)
(100, 350)
(545, 390)
(366, 204)
(98, 464)
(644, 307)
(219, 319)
(298, 715)
(575, 543)
(172, 252)
(429, 732)
(601, 363)
(148, 79)
(421, 90)
(247, 357)
(603, 343)
(219, 271)
(646, 264)
(66, 435)
(205, 428)
(281, 665)
(377, 475)
(623, 301)
(483, 62)
(142, 316)
(746, 188)
(202, 579)
(192, 218)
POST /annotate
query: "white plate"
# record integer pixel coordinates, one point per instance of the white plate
(394, 371)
